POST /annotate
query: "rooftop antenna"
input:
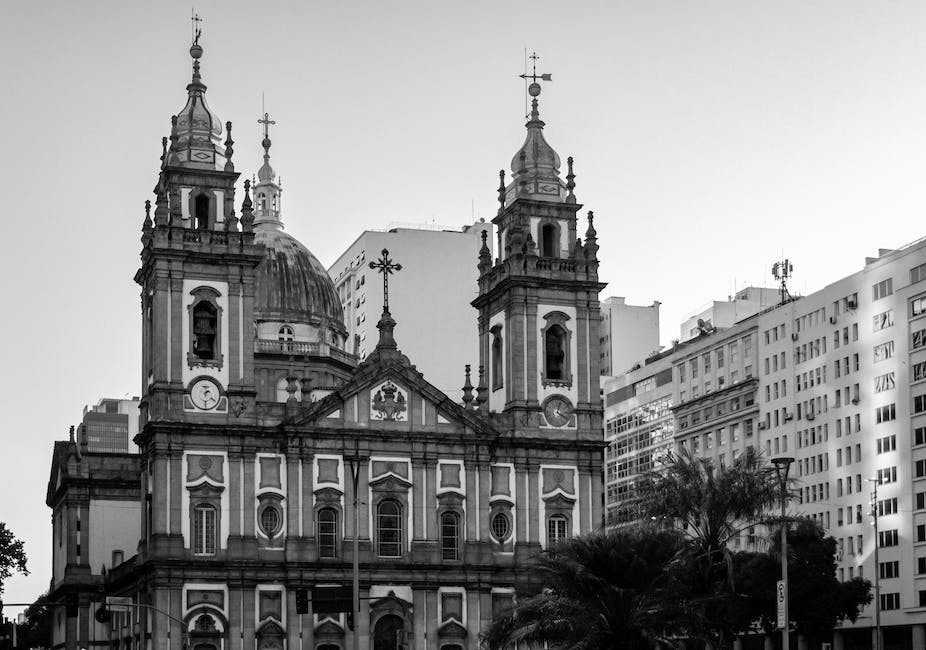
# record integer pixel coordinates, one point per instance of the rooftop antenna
(782, 272)
(533, 89)
(195, 28)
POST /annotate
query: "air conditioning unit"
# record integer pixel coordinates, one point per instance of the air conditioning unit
(760, 426)
(850, 304)
(794, 336)
(788, 417)
(832, 320)
(810, 415)
(855, 400)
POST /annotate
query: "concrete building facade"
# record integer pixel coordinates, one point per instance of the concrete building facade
(725, 313)
(628, 333)
(438, 281)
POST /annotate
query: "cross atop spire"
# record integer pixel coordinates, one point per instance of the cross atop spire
(534, 76)
(266, 122)
(385, 266)
(195, 19)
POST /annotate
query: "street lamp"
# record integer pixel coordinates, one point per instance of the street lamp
(782, 466)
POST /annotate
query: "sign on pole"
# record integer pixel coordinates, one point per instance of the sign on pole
(118, 603)
(780, 599)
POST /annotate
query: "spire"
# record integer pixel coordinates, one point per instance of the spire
(196, 133)
(485, 255)
(468, 391)
(267, 192)
(535, 166)
(247, 213)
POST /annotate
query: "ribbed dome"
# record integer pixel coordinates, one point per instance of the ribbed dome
(292, 285)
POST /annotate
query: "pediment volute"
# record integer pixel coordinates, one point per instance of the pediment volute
(390, 483)
(559, 501)
(205, 489)
(329, 628)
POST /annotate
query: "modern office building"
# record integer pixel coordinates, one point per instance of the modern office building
(438, 280)
(628, 333)
(720, 314)
(835, 380)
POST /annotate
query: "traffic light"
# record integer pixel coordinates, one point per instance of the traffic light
(302, 601)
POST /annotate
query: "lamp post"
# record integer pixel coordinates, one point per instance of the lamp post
(782, 466)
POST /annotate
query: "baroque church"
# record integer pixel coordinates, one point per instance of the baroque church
(286, 495)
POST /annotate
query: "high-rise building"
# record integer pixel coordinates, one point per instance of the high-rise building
(438, 281)
(835, 380)
(275, 468)
(628, 333)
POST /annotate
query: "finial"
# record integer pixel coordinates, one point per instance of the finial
(71, 433)
(229, 148)
(265, 143)
(482, 391)
(467, 391)
(485, 255)
(173, 150)
(146, 226)
(387, 267)
(247, 208)
(501, 190)
(163, 151)
(161, 214)
(570, 182)
(196, 50)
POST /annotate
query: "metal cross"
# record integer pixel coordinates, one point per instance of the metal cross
(266, 122)
(385, 266)
(197, 30)
(534, 76)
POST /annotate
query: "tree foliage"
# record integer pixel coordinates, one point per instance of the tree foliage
(12, 555)
(604, 590)
(817, 601)
(36, 631)
(711, 505)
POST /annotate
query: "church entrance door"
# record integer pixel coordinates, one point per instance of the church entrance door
(387, 633)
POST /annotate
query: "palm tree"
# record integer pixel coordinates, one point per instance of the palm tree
(603, 590)
(711, 505)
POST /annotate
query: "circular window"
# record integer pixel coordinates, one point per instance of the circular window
(271, 520)
(501, 526)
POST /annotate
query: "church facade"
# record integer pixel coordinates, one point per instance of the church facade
(293, 497)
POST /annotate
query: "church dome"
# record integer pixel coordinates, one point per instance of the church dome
(292, 285)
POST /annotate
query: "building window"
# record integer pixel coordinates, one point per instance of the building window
(549, 240)
(498, 366)
(556, 344)
(450, 536)
(286, 333)
(883, 351)
(919, 403)
(885, 413)
(205, 328)
(918, 306)
(201, 212)
(890, 601)
(917, 273)
(884, 382)
(556, 529)
(882, 289)
(501, 526)
(271, 519)
(204, 526)
(326, 532)
(389, 529)
(883, 320)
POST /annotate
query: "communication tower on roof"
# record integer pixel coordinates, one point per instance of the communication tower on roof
(782, 272)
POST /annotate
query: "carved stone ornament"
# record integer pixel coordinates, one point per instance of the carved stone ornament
(388, 403)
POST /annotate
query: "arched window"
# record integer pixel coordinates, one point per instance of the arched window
(204, 528)
(286, 333)
(555, 347)
(261, 201)
(549, 240)
(326, 532)
(205, 328)
(450, 536)
(389, 528)
(201, 211)
(498, 366)
(557, 526)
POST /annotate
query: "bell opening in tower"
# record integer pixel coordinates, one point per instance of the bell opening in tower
(548, 240)
(201, 212)
(205, 320)
(556, 352)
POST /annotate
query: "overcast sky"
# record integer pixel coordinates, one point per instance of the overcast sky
(709, 138)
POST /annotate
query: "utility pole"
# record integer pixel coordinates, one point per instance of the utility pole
(782, 465)
(874, 514)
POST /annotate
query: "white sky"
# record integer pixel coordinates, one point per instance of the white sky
(709, 138)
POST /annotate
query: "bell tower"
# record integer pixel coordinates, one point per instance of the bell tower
(538, 300)
(197, 273)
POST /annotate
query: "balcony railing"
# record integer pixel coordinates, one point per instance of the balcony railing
(270, 346)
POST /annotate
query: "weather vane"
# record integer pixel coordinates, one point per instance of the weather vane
(533, 89)
(197, 30)
(385, 266)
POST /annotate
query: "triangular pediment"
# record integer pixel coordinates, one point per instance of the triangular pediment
(452, 630)
(388, 393)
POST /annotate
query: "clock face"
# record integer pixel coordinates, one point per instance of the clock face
(205, 394)
(558, 410)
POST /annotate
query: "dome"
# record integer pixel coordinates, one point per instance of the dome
(293, 286)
